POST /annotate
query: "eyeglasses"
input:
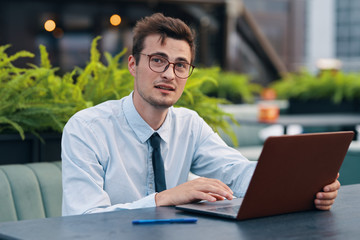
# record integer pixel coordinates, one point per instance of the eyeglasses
(160, 64)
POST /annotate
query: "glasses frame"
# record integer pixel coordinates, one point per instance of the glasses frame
(167, 66)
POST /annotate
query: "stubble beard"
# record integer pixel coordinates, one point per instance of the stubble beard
(157, 102)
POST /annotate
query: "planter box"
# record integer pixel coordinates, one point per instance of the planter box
(14, 150)
(297, 106)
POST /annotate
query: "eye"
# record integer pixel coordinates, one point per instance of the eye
(158, 60)
(181, 65)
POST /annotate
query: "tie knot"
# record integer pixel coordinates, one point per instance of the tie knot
(155, 140)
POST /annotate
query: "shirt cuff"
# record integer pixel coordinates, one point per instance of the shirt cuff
(146, 202)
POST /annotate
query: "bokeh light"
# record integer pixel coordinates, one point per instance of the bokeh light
(50, 25)
(58, 33)
(115, 20)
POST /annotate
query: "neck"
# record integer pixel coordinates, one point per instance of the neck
(154, 116)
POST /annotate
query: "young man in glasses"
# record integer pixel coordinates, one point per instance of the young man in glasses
(108, 154)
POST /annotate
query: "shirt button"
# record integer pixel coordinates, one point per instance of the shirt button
(150, 185)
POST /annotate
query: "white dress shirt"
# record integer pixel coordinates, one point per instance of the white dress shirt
(106, 157)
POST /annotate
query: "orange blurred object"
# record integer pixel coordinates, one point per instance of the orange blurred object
(268, 94)
(50, 25)
(115, 20)
(268, 113)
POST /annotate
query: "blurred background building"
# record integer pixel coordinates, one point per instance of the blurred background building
(261, 38)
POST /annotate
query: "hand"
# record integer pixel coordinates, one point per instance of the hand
(324, 200)
(199, 189)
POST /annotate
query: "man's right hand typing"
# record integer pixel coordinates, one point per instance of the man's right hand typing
(196, 190)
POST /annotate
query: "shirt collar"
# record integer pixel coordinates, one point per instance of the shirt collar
(142, 130)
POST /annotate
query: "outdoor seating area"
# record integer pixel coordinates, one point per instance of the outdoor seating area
(34, 190)
(39, 184)
(109, 109)
(30, 191)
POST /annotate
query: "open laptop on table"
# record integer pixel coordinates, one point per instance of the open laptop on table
(290, 171)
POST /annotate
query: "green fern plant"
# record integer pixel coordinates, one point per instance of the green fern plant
(36, 99)
(33, 99)
(232, 86)
(336, 87)
(99, 82)
(207, 107)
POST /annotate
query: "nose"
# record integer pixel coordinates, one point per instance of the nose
(169, 72)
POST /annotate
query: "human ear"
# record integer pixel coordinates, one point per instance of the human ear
(132, 65)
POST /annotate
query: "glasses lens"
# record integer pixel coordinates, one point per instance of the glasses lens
(160, 64)
(182, 69)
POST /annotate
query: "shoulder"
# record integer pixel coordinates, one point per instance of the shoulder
(102, 111)
(189, 123)
(182, 112)
(188, 118)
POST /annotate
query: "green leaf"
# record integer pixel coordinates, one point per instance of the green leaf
(4, 120)
(44, 58)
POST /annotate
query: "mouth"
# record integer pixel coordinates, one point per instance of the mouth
(164, 87)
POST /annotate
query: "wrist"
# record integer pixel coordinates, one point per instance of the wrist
(160, 199)
(156, 199)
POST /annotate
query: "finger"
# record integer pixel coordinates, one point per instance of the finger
(324, 204)
(323, 208)
(220, 192)
(218, 183)
(218, 197)
(199, 196)
(332, 187)
(213, 186)
(214, 190)
(225, 186)
(176, 196)
(326, 195)
(319, 202)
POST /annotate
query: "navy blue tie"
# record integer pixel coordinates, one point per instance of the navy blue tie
(158, 163)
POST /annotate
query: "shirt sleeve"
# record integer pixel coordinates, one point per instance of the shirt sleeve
(84, 161)
(215, 159)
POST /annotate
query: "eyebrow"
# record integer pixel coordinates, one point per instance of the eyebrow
(179, 59)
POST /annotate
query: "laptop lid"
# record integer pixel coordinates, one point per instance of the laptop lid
(290, 171)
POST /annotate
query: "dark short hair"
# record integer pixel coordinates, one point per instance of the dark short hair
(166, 27)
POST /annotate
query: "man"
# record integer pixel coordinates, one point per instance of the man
(107, 149)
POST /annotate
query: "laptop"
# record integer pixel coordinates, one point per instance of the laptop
(290, 171)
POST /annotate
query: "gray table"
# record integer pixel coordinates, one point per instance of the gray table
(342, 222)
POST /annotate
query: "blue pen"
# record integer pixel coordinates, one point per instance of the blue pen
(170, 220)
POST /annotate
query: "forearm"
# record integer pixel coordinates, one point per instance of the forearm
(86, 197)
(232, 169)
(148, 201)
(214, 159)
